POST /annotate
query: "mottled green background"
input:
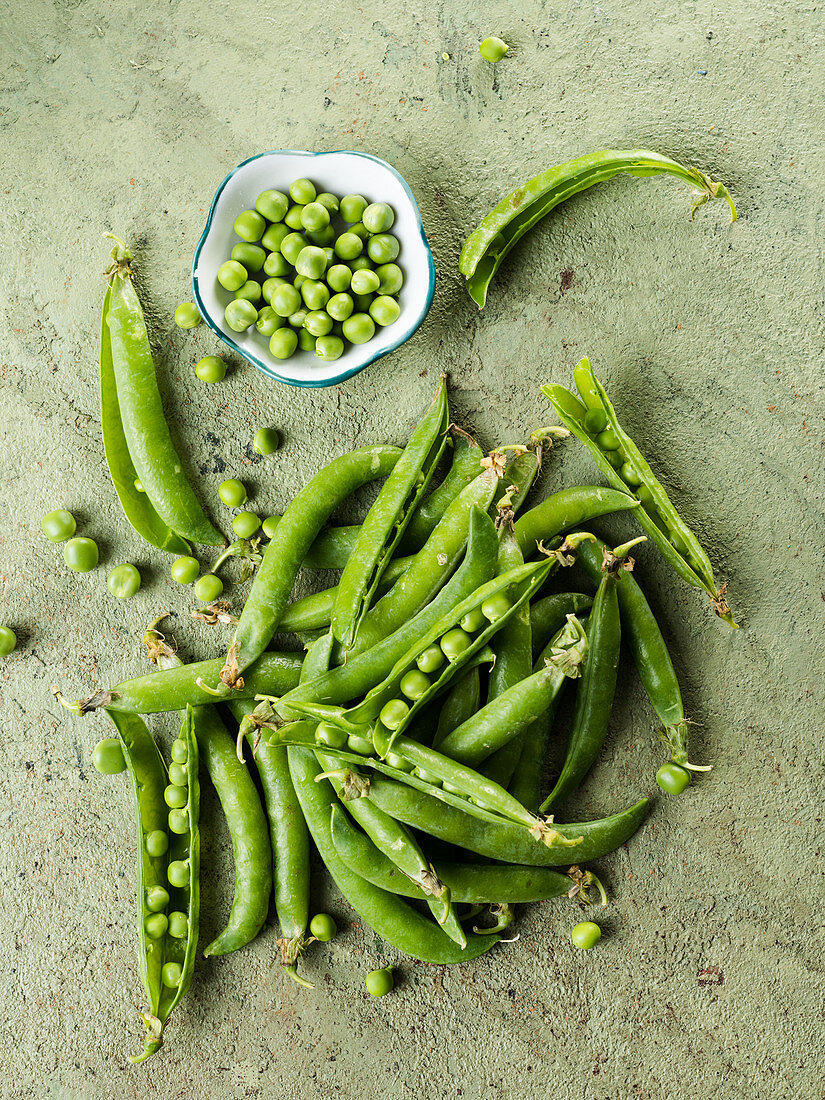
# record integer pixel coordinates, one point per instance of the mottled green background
(125, 116)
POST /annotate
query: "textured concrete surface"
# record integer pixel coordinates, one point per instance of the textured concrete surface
(125, 117)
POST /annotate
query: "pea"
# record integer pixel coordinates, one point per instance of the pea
(628, 474)
(245, 524)
(431, 659)
(210, 369)
(365, 282)
(178, 822)
(272, 204)
(428, 777)
(283, 343)
(339, 277)
(493, 49)
(266, 441)
(384, 310)
(269, 287)
(291, 246)
(249, 256)
(361, 263)
(179, 753)
(614, 458)
(315, 294)
(494, 607)
(297, 318)
(123, 581)
(315, 216)
(58, 525)
(607, 440)
(268, 321)
(414, 684)
(322, 237)
(171, 975)
(178, 873)
(360, 230)
(323, 927)
(390, 278)
(318, 323)
(646, 497)
(383, 248)
(353, 207)
(184, 570)
(274, 236)
(208, 588)
(240, 314)
(157, 898)
(595, 421)
(81, 555)
(293, 217)
(174, 797)
(329, 348)
(454, 643)
(398, 762)
(340, 306)
(157, 843)
(156, 925)
(108, 757)
(311, 262)
(302, 190)
(379, 982)
(362, 745)
(178, 926)
(331, 736)
(348, 246)
(586, 935)
(138, 485)
(178, 774)
(359, 328)
(277, 265)
(285, 300)
(672, 778)
(473, 621)
(270, 525)
(250, 226)
(232, 492)
(8, 641)
(378, 217)
(187, 315)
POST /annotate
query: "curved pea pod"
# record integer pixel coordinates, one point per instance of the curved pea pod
(568, 510)
(136, 505)
(466, 464)
(314, 611)
(394, 921)
(507, 223)
(657, 515)
(461, 702)
(549, 614)
(388, 517)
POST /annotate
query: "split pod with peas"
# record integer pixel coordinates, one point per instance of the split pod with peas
(593, 420)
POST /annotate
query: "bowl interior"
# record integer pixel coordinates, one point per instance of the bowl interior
(341, 173)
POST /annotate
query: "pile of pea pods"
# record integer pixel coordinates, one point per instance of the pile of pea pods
(407, 738)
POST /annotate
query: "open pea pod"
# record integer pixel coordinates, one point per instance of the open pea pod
(507, 223)
(593, 420)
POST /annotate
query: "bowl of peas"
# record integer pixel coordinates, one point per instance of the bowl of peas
(313, 265)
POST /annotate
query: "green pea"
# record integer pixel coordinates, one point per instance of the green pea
(379, 982)
(240, 314)
(315, 294)
(311, 262)
(678, 543)
(322, 237)
(431, 659)
(187, 315)
(184, 570)
(157, 898)
(245, 524)
(360, 230)
(179, 822)
(362, 745)
(58, 525)
(108, 757)
(138, 485)
(329, 348)
(614, 458)
(285, 300)
(123, 581)
(586, 935)
(455, 642)
(302, 190)
(339, 277)
(266, 441)
(283, 343)
(306, 341)
(157, 843)
(352, 207)
(414, 684)
(270, 525)
(156, 925)
(340, 306)
(390, 278)
(365, 282)
(232, 492)
(81, 555)
(175, 797)
(646, 497)
(250, 226)
(672, 778)
(595, 421)
(393, 713)
(178, 926)
(378, 217)
(178, 774)
(291, 246)
(249, 256)
(473, 621)
(274, 237)
(399, 763)
(208, 588)
(318, 322)
(210, 369)
(323, 927)
(628, 474)
(315, 216)
(272, 204)
(293, 217)
(329, 735)
(268, 321)
(179, 752)
(361, 263)
(496, 606)
(607, 440)
(348, 246)
(384, 310)
(297, 318)
(276, 264)
(428, 777)
(383, 248)
(269, 287)
(359, 328)
(178, 873)
(493, 49)
(171, 975)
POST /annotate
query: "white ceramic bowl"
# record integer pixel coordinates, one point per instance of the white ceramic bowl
(341, 173)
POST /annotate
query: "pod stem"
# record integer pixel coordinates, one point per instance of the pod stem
(583, 883)
(675, 736)
(82, 707)
(153, 1040)
(504, 914)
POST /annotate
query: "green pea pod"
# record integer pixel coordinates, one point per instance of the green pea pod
(461, 702)
(594, 698)
(676, 541)
(394, 921)
(549, 614)
(387, 519)
(469, 883)
(466, 464)
(330, 549)
(568, 510)
(507, 223)
(136, 505)
(314, 612)
(146, 433)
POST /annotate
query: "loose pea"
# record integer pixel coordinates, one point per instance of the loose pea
(184, 570)
(340, 306)
(378, 217)
(318, 322)
(178, 873)
(329, 735)
(628, 474)
(391, 278)
(156, 925)
(360, 230)
(291, 246)
(315, 216)
(455, 642)
(266, 441)
(393, 713)
(586, 935)
(306, 341)
(379, 982)
(58, 525)
(81, 555)
(352, 207)
(277, 264)
(249, 256)
(108, 757)
(365, 282)
(210, 369)
(302, 190)
(232, 492)
(383, 248)
(315, 294)
(250, 226)
(187, 315)
(269, 525)
(178, 822)
(349, 246)
(323, 927)
(495, 606)
(274, 236)
(268, 321)
(493, 49)
(174, 797)
(179, 752)
(208, 588)
(285, 300)
(359, 328)
(178, 926)
(607, 440)
(157, 898)
(362, 745)
(414, 684)
(249, 292)
(297, 318)
(283, 343)
(240, 314)
(361, 263)
(431, 659)
(329, 348)
(272, 204)
(269, 287)
(672, 778)
(157, 843)
(473, 621)
(595, 421)
(293, 217)
(245, 524)
(362, 302)
(322, 237)
(339, 277)
(311, 262)
(384, 310)
(178, 774)
(123, 581)
(171, 975)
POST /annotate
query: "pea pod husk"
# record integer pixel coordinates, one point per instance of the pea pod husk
(466, 464)
(507, 222)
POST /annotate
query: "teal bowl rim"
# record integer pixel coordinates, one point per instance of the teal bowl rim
(268, 368)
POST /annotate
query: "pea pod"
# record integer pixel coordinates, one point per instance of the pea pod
(568, 510)
(549, 614)
(466, 464)
(657, 515)
(314, 612)
(460, 703)
(507, 223)
(387, 519)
